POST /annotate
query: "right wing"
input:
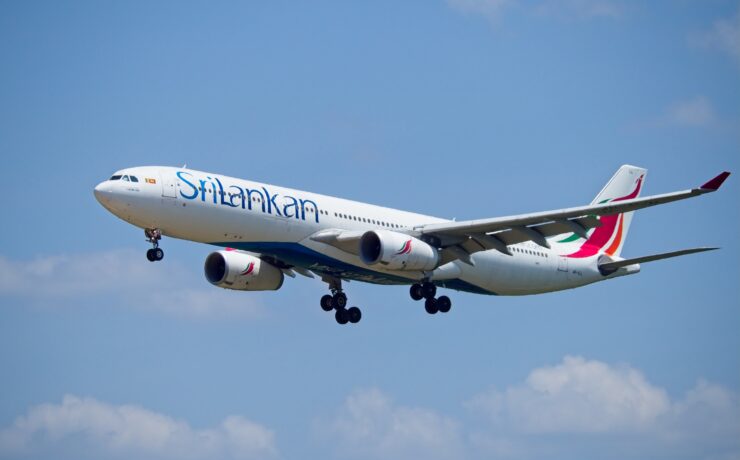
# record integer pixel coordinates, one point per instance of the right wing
(465, 237)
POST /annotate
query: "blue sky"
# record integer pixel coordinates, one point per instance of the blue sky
(459, 109)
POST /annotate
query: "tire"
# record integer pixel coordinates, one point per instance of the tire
(158, 254)
(431, 306)
(340, 300)
(428, 290)
(444, 304)
(341, 316)
(150, 255)
(416, 292)
(355, 315)
(327, 303)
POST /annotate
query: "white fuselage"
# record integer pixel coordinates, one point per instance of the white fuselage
(278, 222)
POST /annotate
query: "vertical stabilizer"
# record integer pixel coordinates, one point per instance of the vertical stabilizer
(608, 238)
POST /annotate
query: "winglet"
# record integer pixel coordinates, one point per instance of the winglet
(715, 183)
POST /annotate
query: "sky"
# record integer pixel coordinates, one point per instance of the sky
(457, 108)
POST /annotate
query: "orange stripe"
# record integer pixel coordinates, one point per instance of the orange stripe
(618, 239)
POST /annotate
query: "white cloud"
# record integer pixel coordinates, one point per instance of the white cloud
(693, 112)
(724, 36)
(129, 431)
(592, 399)
(370, 425)
(577, 396)
(122, 278)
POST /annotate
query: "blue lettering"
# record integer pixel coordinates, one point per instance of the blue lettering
(223, 195)
(313, 205)
(213, 189)
(249, 198)
(271, 203)
(180, 175)
(293, 203)
(292, 207)
(239, 195)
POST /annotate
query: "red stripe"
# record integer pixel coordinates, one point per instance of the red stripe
(618, 239)
(603, 234)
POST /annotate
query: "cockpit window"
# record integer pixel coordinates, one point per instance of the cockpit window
(133, 179)
(125, 178)
(118, 177)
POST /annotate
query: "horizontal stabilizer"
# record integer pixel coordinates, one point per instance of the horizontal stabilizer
(611, 267)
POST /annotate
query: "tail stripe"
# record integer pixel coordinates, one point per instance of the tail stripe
(618, 239)
(601, 236)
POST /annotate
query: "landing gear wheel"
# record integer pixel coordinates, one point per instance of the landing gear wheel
(444, 304)
(355, 315)
(431, 306)
(342, 316)
(428, 290)
(416, 292)
(153, 235)
(340, 300)
(326, 303)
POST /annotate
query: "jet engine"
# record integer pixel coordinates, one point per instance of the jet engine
(242, 271)
(397, 251)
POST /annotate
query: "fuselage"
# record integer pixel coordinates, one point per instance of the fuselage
(278, 223)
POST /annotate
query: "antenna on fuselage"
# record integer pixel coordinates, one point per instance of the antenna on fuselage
(185, 166)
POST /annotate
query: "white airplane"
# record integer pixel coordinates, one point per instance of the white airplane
(269, 232)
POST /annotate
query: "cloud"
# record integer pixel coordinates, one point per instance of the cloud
(129, 431)
(121, 278)
(577, 396)
(370, 425)
(693, 112)
(577, 408)
(724, 35)
(589, 399)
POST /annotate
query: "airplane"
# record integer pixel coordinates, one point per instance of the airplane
(268, 232)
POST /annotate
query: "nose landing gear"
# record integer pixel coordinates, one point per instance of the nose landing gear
(428, 291)
(338, 301)
(153, 235)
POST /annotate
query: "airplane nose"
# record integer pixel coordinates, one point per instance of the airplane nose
(102, 192)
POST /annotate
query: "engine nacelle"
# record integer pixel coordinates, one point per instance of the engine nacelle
(242, 272)
(397, 251)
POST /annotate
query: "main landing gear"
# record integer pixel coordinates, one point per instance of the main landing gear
(338, 301)
(427, 291)
(153, 235)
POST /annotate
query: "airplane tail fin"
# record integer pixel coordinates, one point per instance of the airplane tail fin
(609, 237)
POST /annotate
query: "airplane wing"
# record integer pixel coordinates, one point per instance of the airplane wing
(460, 239)
(610, 267)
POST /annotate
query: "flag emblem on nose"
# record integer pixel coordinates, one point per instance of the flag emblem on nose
(150, 181)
